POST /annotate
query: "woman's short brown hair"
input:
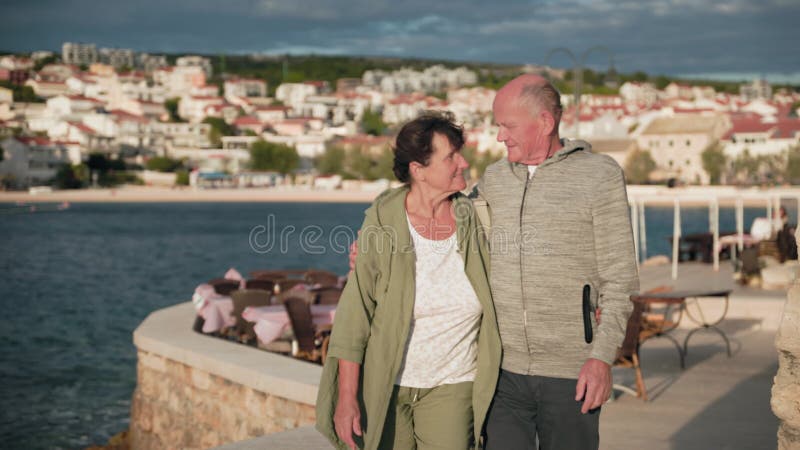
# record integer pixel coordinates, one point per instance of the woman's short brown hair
(415, 141)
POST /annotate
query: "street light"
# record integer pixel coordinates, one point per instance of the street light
(578, 69)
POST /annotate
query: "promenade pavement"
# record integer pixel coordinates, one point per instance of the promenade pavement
(717, 402)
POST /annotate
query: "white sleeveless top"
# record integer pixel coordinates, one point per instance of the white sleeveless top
(442, 346)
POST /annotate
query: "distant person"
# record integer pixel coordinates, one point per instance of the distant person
(415, 351)
(787, 244)
(559, 223)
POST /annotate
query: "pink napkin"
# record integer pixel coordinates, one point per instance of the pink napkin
(233, 274)
(202, 294)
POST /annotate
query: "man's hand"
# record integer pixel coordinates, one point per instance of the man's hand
(347, 420)
(594, 384)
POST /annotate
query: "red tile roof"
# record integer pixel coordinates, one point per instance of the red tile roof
(83, 127)
(787, 128)
(125, 116)
(34, 140)
(246, 120)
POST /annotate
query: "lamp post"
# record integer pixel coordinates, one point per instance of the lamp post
(578, 66)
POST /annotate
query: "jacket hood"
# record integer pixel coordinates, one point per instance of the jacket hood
(569, 146)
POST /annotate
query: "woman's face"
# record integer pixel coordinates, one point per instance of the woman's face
(445, 169)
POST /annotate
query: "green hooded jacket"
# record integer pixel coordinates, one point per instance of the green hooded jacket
(375, 311)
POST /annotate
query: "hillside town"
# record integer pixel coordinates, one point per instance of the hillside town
(64, 118)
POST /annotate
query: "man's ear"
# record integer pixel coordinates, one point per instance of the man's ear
(548, 122)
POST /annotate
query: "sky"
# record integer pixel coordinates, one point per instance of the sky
(715, 38)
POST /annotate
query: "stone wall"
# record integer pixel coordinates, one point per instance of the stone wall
(198, 392)
(177, 406)
(786, 390)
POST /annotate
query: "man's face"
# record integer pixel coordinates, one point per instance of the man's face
(521, 131)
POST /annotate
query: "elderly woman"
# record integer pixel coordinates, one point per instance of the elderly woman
(415, 351)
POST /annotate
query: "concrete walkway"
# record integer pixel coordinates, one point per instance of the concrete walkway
(717, 402)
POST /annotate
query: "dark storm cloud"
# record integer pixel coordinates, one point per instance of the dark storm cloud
(663, 36)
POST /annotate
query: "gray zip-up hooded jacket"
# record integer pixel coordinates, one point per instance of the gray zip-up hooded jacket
(565, 227)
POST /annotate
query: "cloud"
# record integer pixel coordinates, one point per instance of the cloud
(659, 36)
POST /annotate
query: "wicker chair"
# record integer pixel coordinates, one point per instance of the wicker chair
(287, 284)
(322, 278)
(327, 295)
(260, 283)
(311, 342)
(241, 300)
(628, 354)
(273, 275)
(639, 329)
(224, 286)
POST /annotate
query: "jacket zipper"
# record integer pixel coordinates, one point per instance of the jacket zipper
(521, 266)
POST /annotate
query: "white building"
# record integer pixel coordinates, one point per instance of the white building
(196, 61)
(193, 108)
(182, 135)
(245, 87)
(676, 143)
(6, 95)
(89, 139)
(179, 81)
(68, 105)
(761, 138)
(271, 114)
(758, 89)
(30, 161)
(11, 62)
(294, 94)
(80, 54)
(117, 57)
(307, 145)
(47, 89)
(644, 93)
(406, 107)
(436, 78)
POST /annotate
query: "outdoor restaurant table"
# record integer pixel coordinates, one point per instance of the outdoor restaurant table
(216, 311)
(272, 321)
(687, 301)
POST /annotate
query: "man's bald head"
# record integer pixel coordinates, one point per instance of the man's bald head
(527, 111)
(535, 93)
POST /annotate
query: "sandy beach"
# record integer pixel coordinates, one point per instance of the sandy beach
(651, 195)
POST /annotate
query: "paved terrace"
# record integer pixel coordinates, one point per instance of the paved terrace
(716, 402)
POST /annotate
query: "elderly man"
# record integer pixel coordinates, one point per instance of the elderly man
(559, 223)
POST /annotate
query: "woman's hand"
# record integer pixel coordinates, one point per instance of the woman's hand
(347, 419)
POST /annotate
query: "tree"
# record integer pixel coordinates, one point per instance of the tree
(372, 123)
(182, 177)
(171, 105)
(478, 162)
(793, 112)
(71, 177)
(638, 167)
(40, 63)
(162, 164)
(358, 164)
(271, 156)
(331, 161)
(792, 174)
(384, 166)
(219, 128)
(714, 162)
(22, 93)
(745, 167)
